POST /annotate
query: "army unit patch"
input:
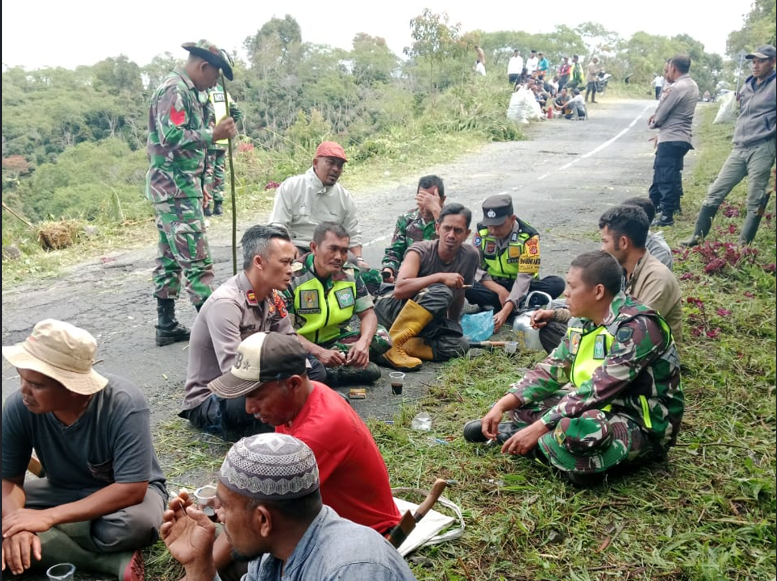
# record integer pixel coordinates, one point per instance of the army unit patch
(600, 350)
(308, 302)
(574, 342)
(345, 298)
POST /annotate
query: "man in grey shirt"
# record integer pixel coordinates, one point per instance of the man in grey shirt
(754, 150)
(673, 119)
(272, 512)
(103, 494)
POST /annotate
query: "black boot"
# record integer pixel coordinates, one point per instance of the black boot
(206, 210)
(703, 226)
(217, 209)
(168, 329)
(344, 375)
(749, 228)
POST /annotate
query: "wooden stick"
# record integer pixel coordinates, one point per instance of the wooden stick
(232, 183)
(17, 215)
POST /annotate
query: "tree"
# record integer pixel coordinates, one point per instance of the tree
(759, 29)
(373, 62)
(276, 43)
(435, 42)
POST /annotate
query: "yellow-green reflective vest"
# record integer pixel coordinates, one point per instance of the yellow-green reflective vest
(511, 260)
(217, 97)
(590, 350)
(323, 313)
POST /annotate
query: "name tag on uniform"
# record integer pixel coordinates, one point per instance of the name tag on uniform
(600, 349)
(345, 298)
(308, 302)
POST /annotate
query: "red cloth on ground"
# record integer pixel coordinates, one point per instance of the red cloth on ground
(354, 477)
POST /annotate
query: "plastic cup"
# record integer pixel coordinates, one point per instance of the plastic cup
(61, 572)
(422, 421)
(397, 379)
(511, 347)
(207, 501)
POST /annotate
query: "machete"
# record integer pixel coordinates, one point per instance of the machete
(406, 525)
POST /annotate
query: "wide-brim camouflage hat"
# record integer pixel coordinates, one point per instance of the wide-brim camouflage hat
(210, 52)
(587, 444)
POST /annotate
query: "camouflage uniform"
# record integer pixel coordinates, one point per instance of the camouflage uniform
(628, 409)
(410, 228)
(216, 161)
(177, 141)
(304, 271)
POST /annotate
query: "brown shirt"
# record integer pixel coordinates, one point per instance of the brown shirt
(230, 314)
(465, 263)
(654, 285)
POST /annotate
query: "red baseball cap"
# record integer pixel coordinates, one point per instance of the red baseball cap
(331, 149)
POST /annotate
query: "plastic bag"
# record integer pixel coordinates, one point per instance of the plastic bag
(727, 113)
(478, 326)
(523, 106)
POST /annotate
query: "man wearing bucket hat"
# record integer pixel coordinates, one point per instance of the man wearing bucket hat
(103, 493)
(509, 261)
(610, 394)
(303, 201)
(178, 140)
(753, 154)
(270, 373)
(271, 508)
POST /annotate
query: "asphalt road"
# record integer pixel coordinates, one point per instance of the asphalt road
(561, 179)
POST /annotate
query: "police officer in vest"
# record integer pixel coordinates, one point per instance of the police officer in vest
(216, 160)
(509, 261)
(325, 292)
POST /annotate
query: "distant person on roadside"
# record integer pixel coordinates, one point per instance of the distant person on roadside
(542, 65)
(480, 68)
(178, 142)
(325, 292)
(509, 250)
(102, 494)
(416, 225)
(753, 154)
(655, 242)
(560, 102)
(514, 67)
(564, 72)
(576, 73)
(422, 310)
(270, 376)
(247, 303)
(576, 108)
(591, 76)
(532, 62)
(658, 85)
(303, 201)
(608, 396)
(673, 118)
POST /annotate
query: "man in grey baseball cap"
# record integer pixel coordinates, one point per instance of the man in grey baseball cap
(271, 508)
(753, 154)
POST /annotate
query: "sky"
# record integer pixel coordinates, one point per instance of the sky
(39, 33)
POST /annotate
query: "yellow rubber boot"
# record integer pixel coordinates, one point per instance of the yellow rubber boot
(410, 321)
(416, 347)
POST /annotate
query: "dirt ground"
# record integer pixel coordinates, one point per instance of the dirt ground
(561, 179)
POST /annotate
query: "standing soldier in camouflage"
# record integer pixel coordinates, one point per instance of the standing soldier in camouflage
(415, 225)
(216, 162)
(610, 394)
(178, 140)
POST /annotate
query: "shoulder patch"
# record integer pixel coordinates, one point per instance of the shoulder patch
(477, 240)
(624, 334)
(514, 237)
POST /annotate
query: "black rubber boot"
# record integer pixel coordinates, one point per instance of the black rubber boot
(344, 375)
(207, 211)
(218, 210)
(168, 329)
(749, 228)
(703, 226)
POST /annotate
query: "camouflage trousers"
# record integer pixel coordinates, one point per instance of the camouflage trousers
(381, 342)
(183, 248)
(639, 446)
(215, 174)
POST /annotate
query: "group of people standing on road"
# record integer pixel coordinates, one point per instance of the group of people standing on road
(304, 492)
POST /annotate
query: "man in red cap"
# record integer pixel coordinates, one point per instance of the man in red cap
(303, 201)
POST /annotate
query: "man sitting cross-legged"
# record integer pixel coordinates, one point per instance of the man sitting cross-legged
(610, 394)
(247, 303)
(103, 493)
(422, 310)
(324, 293)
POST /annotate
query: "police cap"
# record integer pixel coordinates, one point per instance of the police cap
(496, 209)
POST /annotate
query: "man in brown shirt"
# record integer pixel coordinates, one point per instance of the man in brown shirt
(422, 310)
(245, 304)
